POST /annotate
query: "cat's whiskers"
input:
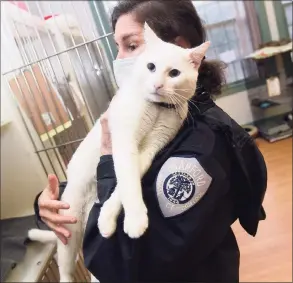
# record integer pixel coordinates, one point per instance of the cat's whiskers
(183, 89)
(179, 102)
(170, 95)
(189, 100)
(173, 93)
(182, 97)
(188, 111)
(175, 101)
(172, 102)
(187, 89)
(179, 96)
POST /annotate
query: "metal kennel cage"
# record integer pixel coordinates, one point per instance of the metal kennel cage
(60, 72)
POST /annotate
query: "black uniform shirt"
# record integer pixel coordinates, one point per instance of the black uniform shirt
(208, 176)
(190, 207)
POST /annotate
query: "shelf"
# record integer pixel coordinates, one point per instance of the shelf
(32, 266)
(267, 52)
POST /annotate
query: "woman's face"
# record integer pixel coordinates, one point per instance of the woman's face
(128, 37)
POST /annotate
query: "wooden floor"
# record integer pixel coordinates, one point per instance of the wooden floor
(268, 256)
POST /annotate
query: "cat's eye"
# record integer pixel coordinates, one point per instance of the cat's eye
(174, 73)
(151, 67)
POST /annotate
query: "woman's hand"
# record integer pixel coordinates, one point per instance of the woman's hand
(48, 209)
(106, 143)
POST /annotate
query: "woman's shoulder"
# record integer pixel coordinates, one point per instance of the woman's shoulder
(196, 143)
(203, 139)
(195, 146)
(213, 128)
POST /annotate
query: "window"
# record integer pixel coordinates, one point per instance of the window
(226, 25)
(287, 4)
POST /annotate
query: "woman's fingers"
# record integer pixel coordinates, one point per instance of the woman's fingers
(59, 230)
(57, 218)
(53, 186)
(53, 204)
(62, 238)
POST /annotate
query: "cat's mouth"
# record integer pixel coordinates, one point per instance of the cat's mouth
(156, 93)
(156, 96)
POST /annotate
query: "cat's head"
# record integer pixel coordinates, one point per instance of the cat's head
(169, 72)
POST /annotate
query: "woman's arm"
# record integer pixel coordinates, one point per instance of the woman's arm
(106, 178)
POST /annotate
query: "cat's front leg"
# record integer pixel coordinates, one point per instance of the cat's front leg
(110, 210)
(145, 160)
(130, 193)
(136, 219)
(125, 124)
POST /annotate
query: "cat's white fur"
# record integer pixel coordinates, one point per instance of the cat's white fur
(139, 129)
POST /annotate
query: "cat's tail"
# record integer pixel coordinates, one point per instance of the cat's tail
(42, 236)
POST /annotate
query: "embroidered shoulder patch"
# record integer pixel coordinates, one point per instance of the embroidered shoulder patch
(181, 183)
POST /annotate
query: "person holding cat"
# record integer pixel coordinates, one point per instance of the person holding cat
(197, 186)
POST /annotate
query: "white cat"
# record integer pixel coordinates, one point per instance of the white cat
(140, 127)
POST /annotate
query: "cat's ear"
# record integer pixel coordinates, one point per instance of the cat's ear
(197, 54)
(149, 35)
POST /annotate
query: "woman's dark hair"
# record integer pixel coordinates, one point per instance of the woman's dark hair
(172, 18)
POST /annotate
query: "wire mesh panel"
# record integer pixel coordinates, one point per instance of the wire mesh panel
(64, 81)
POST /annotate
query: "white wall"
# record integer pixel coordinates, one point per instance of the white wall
(22, 175)
(237, 106)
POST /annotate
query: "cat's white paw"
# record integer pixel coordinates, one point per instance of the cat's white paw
(107, 221)
(136, 222)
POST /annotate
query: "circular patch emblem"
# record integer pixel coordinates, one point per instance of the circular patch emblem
(179, 188)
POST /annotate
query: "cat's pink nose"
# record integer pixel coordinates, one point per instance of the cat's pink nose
(158, 86)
